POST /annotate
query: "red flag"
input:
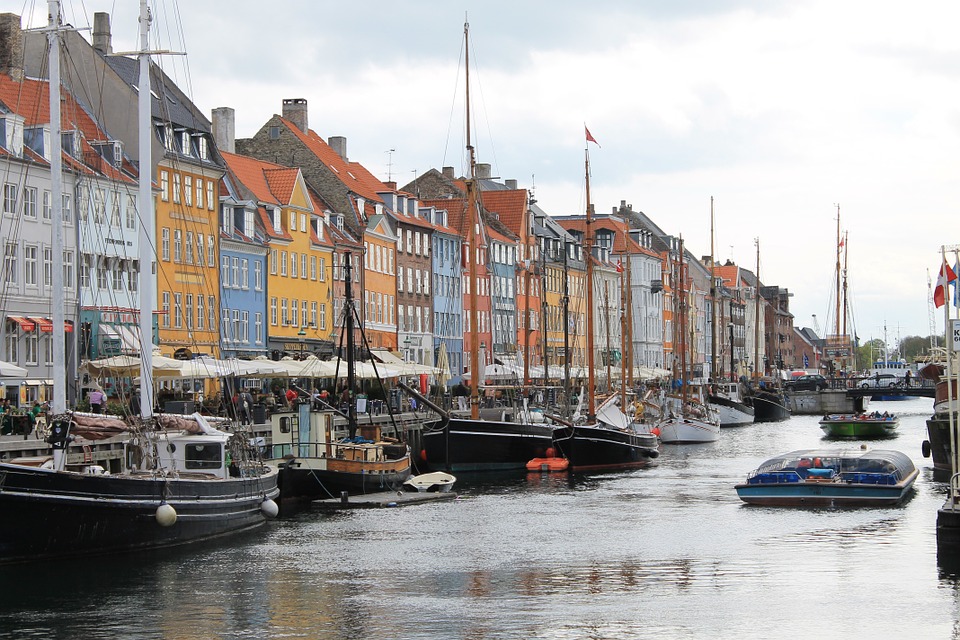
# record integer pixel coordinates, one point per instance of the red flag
(946, 276)
(619, 266)
(590, 138)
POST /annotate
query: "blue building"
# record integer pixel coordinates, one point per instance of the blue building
(447, 294)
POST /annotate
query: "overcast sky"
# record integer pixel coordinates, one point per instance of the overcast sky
(779, 110)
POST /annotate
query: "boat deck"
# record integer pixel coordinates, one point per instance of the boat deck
(382, 499)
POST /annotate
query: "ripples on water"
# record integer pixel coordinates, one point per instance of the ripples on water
(664, 552)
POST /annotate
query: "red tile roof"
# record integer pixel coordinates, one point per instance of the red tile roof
(510, 206)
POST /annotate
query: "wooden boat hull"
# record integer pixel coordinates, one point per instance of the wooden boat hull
(327, 478)
(938, 435)
(769, 407)
(594, 447)
(46, 514)
(688, 431)
(467, 445)
(731, 412)
(859, 428)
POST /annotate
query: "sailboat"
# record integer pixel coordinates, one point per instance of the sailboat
(314, 459)
(491, 442)
(183, 478)
(764, 395)
(608, 439)
(687, 417)
(723, 397)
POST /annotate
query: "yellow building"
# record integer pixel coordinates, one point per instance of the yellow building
(187, 213)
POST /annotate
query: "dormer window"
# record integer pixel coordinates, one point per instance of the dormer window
(185, 146)
(203, 148)
(277, 226)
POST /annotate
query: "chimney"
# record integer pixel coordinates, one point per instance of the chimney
(511, 184)
(11, 46)
(448, 173)
(102, 40)
(483, 170)
(295, 110)
(392, 185)
(224, 128)
(339, 144)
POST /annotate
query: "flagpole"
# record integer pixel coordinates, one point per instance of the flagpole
(948, 344)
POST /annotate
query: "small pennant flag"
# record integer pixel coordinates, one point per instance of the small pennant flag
(590, 137)
(947, 275)
(619, 266)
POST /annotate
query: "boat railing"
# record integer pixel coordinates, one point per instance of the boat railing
(774, 477)
(870, 477)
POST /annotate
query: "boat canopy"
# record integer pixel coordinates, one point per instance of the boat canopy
(841, 460)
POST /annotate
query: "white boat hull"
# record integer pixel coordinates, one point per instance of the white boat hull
(731, 416)
(437, 481)
(688, 430)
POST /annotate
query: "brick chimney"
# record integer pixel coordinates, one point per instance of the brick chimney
(102, 39)
(483, 170)
(11, 46)
(339, 144)
(295, 110)
(448, 173)
(224, 128)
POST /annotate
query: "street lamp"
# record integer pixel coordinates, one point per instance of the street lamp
(300, 338)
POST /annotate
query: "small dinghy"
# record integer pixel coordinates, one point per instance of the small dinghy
(435, 482)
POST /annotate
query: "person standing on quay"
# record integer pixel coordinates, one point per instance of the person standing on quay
(96, 398)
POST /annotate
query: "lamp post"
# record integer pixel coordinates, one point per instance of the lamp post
(300, 338)
(733, 373)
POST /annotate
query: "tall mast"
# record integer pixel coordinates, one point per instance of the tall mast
(756, 318)
(566, 325)
(836, 322)
(474, 219)
(145, 205)
(623, 337)
(846, 338)
(588, 251)
(545, 359)
(628, 311)
(682, 329)
(348, 328)
(56, 187)
(606, 326)
(713, 302)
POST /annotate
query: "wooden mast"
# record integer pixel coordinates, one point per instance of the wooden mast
(628, 306)
(756, 319)
(713, 302)
(474, 220)
(588, 257)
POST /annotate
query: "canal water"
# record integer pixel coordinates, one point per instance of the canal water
(664, 552)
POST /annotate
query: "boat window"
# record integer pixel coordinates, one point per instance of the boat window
(203, 456)
(284, 425)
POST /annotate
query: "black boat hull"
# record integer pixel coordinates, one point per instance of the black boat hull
(938, 435)
(485, 445)
(46, 514)
(769, 408)
(592, 447)
(301, 483)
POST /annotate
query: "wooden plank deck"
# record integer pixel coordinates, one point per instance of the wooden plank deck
(382, 500)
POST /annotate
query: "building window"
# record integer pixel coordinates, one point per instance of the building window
(199, 193)
(165, 308)
(188, 253)
(210, 199)
(244, 275)
(13, 357)
(102, 273)
(211, 317)
(258, 275)
(67, 214)
(273, 311)
(164, 186)
(165, 244)
(235, 272)
(323, 269)
(30, 203)
(10, 262)
(303, 266)
(245, 326)
(190, 310)
(283, 263)
(9, 199)
(116, 275)
(273, 262)
(176, 188)
(177, 245)
(68, 270)
(284, 316)
(210, 257)
(188, 190)
(30, 265)
(293, 264)
(47, 206)
(258, 327)
(225, 271)
(48, 267)
(131, 212)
